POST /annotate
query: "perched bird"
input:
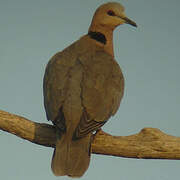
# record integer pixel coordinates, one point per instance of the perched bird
(83, 87)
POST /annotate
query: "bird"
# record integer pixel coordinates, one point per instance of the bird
(83, 86)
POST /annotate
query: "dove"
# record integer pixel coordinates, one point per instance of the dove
(83, 87)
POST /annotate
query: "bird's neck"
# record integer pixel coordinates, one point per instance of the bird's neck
(104, 36)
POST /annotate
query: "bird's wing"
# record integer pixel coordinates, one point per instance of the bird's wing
(54, 86)
(102, 88)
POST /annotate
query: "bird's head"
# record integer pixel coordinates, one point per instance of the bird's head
(110, 15)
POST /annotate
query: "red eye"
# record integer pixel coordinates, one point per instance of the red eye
(111, 13)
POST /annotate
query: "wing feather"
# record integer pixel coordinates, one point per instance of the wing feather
(86, 126)
(102, 89)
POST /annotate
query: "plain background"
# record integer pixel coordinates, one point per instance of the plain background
(32, 31)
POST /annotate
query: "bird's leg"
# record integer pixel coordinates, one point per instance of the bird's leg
(96, 132)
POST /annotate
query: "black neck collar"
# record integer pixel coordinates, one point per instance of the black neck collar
(98, 36)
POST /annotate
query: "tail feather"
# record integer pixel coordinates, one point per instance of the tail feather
(70, 157)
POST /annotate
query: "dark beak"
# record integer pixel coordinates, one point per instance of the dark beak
(128, 21)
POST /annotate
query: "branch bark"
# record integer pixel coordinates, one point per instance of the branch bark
(149, 143)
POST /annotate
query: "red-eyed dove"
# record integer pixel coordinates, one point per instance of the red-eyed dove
(83, 87)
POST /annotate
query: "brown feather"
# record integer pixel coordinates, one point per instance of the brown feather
(83, 86)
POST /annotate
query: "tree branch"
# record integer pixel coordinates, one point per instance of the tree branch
(148, 143)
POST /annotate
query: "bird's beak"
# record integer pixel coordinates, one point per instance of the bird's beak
(129, 21)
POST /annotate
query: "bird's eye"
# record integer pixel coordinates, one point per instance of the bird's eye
(111, 13)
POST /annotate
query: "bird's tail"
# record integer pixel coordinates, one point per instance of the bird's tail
(71, 157)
